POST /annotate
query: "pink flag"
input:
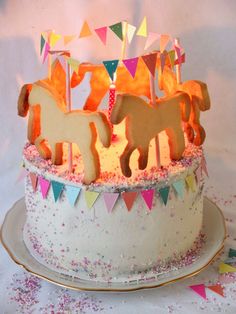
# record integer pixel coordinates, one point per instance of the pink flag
(199, 289)
(44, 185)
(152, 37)
(34, 180)
(148, 197)
(198, 174)
(46, 50)
(177, 49)
(182, 59)
(131, 65)
(102, 34)
(150, 61)
(110, 200)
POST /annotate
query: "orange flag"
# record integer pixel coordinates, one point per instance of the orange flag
(85, 31)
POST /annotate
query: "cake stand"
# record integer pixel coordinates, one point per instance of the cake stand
(12, 240)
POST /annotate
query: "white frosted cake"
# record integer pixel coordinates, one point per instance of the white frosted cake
(113, 208)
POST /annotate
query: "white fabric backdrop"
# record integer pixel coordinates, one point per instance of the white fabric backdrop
(207, 29)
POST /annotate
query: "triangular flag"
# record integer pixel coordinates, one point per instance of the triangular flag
(34, 180)
(198, 174)
(111, 67)
(171, 54)
(110, 200)
(182, 59)
(46, 50)
(117, 29)
(57, 188)
(72, 193)
(130, 32)
(148, 197)
(129, 198)
(163, 60)
(90, 198)
(42, 43)
(44, 186)
(164, 41)
(23, 173)
(85, 30)
(199, 289)
(54, 39)
(152, 37)
(191, 183)
(68, 38)
(62, 61)
(178, 52)
(142, 31)
(224, 268)
(179, 187)
(102, 34)
(164, 193)
(131, 65)
(204, 166)
(150, 61)
(232, 253)
(73, 63)
(217, 288)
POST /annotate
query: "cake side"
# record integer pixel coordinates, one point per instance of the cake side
(93, 243)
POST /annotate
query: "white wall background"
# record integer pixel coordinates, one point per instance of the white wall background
(207, 29)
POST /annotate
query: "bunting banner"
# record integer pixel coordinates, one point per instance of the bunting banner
(199, 289)
(181, 60)
(142, 31)
(163, 60)
(46, 51)
(73, 63)
(90, 198)
(111, 67)
(130, 32)
(42, 43)
(129, 198)
(110, 200)
(68, 38)
(171, 54)
(232, 253)
(164, 193)
(217, 289)
(57, 188)
(72, 193)
(179, 188)
(164, 40)
(44, 186)
(190, 180)
(151, 39)
(150, 61)
(131, 65)
(85, 31)
(54, 38)
(117, 29)
(178, 52)
(34, 180)
(102, 34)
(148, 196)
(225, 268)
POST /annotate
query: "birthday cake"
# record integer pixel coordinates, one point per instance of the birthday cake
(113, 194)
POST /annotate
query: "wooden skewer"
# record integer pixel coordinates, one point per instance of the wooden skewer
(68, 103)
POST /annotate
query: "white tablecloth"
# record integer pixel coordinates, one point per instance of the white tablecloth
(21, 292)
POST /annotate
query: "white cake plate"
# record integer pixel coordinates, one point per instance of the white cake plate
(12, 240)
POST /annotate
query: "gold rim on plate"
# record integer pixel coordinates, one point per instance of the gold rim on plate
(114, 289)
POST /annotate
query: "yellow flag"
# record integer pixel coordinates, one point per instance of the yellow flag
(85, 30)
(142, 31)
(73, 63)
(90, 198)
(190, 180)
(54, 39)
(225, 268)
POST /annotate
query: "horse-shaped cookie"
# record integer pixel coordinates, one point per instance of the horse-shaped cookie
(58, 80)
(77, 126)
(144, 122)
(200, 101)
